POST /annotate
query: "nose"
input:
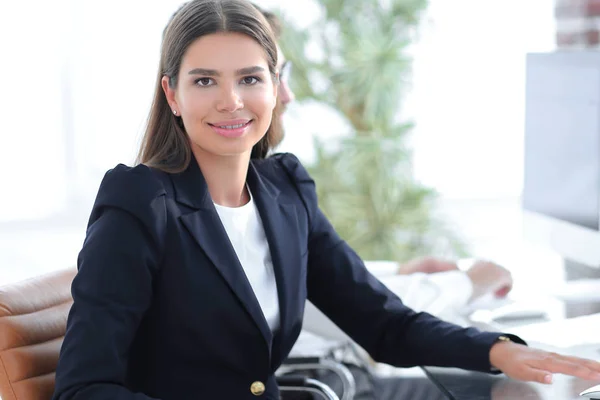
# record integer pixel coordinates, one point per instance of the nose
(229, 100)
(286, 95)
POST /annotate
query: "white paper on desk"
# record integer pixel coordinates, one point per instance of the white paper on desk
(563, 333)
(587, 290)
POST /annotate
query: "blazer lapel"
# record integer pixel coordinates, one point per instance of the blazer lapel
(280, 222)
(205, 226)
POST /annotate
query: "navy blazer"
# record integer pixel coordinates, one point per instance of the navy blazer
(163, 310)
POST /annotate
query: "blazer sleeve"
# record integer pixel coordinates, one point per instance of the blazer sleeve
(339, 284)
(113, 285)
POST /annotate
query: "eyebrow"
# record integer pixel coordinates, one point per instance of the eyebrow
(212, 72)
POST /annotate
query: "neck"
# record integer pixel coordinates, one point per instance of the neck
(225, 177)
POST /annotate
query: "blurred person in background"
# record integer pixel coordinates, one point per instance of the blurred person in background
(427, 284)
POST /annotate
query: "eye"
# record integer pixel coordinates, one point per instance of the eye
(203, 81)
(250, 80)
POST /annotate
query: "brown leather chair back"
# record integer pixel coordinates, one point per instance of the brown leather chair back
(33, 319)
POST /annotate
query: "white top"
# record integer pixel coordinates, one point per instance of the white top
(247, 235)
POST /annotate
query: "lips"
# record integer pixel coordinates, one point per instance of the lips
(232, 124)
(231, 128)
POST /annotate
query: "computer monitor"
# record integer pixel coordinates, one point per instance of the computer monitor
(561, 191)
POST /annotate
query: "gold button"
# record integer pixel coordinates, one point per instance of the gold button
(257, 388)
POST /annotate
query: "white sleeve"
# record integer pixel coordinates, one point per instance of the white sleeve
(442, 293)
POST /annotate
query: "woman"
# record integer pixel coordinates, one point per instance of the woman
(197, 262)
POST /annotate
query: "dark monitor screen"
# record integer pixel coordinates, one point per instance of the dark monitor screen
(562, 138)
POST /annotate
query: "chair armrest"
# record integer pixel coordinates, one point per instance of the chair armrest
(299, 383)
(296, 364)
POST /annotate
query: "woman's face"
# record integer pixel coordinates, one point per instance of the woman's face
(225, 94)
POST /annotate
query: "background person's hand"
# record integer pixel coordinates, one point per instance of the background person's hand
(488, 277)
(529, 364)
(426, 265)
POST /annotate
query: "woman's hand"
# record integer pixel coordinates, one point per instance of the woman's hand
(528, 364)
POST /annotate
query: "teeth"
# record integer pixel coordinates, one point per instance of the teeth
(232, 126)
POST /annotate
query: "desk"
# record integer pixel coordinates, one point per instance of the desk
(460, 385)
(463, 385)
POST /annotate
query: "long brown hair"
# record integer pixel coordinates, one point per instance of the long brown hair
(165, 144)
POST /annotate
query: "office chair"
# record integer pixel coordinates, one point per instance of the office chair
(33, 320)
(33, 317)
(298, 383)
(300, 365)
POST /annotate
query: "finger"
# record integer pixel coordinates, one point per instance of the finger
(537, 375)
(591, 364)
(503, 292)
(561, 364)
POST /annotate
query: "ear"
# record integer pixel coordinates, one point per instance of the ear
(170, 94)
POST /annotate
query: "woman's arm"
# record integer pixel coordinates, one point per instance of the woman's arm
(113, 286)
(340, 285)
(342, 288)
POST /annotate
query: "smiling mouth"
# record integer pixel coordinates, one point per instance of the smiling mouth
(237, 126)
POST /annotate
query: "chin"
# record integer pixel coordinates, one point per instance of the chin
(235, 149)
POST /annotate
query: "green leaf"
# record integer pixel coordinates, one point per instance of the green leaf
(365, 182)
